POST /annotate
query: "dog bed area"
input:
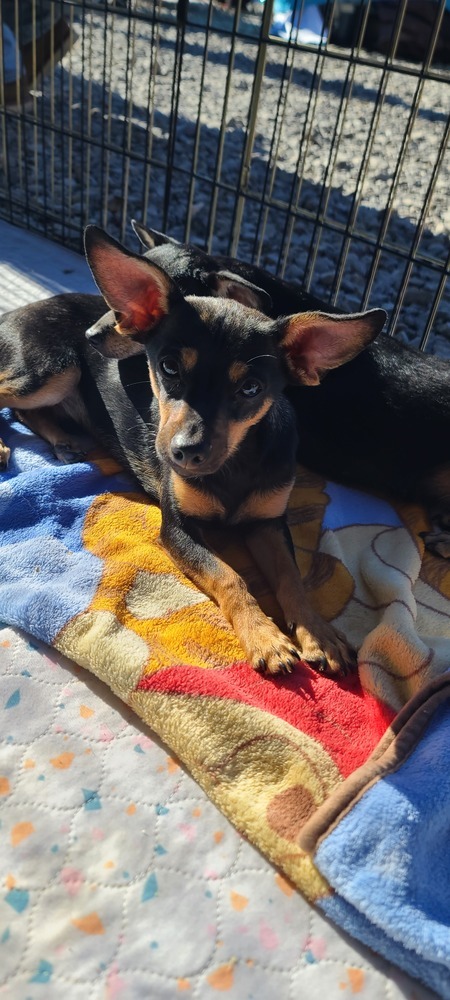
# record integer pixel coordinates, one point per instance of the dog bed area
(121, 875)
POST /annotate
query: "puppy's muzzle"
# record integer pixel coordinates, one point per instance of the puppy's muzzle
(94, 338)
(190, 453)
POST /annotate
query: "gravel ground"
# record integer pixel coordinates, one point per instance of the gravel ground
(102, 93)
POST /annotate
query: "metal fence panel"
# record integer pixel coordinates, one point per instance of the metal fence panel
(326, 163)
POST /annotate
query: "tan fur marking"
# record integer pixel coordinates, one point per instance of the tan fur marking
(259, 506)
(263, 644)
(311, 634)
(153, 383)
(5, 453)
(194, 502)
(172, 418)
(237, 371)
(41, 422)
(237, 429)
(165, 415)
(121, 346)
(10, 386)
(54, 391)
(189, 358)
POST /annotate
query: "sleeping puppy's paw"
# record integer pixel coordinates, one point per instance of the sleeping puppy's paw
(5, 453)
(437, 540)
(324, 648)
(69, 452)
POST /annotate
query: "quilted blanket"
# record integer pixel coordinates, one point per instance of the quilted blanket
(344, 786)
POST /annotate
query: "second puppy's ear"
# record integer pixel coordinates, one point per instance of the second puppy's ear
(139, 292)
(151, 238)
(103, 336)
(227, 285)
(315, 342)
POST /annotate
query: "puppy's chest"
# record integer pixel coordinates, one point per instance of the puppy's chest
(228, 505)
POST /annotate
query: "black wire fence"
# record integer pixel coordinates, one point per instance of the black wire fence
(325, 160)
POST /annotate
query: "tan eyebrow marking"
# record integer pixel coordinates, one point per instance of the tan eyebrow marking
(237, 370)
(189, 358)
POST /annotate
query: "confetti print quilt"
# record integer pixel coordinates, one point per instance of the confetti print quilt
(107, 849)
(344, 787)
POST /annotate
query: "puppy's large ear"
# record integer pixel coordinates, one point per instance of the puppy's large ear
(151, 238)
(228, 285)
(139, 292)
(315, 342)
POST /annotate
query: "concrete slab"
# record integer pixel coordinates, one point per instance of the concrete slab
(32, 267)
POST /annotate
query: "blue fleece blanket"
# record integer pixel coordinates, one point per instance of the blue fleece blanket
(77, 572)
(385, 855)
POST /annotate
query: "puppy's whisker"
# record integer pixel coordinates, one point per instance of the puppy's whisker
(258, 356)
(135, 427)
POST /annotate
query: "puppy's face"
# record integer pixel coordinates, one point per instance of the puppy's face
(214, 369)
(216, 364)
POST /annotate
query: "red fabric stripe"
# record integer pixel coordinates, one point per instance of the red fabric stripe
(345, 720)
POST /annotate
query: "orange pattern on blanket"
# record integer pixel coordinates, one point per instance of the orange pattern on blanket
(146, 592)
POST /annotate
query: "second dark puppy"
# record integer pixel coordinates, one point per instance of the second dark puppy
(188, 393)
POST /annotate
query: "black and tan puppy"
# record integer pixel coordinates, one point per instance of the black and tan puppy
(380, 422)
(188, 393)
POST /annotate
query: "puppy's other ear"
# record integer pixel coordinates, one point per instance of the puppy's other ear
(227, 285)
(151, 238)
(315, 342)
(139, 292)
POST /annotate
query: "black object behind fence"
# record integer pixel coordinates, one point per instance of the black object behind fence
(325, 162)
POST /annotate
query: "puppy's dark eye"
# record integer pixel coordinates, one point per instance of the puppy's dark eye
(250, 388)
(169, 367)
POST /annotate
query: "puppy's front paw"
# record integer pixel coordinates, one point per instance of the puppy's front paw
(324, 648)
(272, 652)
(5, 453)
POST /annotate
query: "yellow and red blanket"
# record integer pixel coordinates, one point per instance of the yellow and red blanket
(324, 777)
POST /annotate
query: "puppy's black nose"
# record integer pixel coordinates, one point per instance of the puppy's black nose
(94, 338)
(187, 453)
(189, 457)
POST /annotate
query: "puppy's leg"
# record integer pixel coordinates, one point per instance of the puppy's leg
(5, 453)
(322, 646)
(40, 401)
(266, 648)
(436, 490)
(43, 421)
